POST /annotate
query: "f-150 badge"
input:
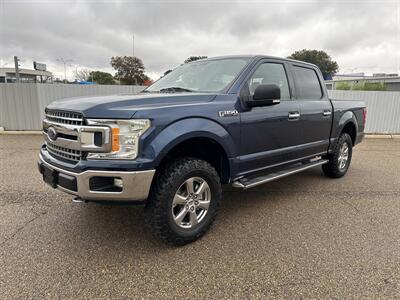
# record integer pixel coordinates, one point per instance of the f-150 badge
(228, 113)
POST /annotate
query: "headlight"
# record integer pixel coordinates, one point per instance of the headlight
(125, 136)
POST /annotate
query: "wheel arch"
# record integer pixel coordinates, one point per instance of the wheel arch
(204, 148)
(200, 138)
(348, 124)
(351, 129)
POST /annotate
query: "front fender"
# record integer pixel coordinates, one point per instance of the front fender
(185, 129)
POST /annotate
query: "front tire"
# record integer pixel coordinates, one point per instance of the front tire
(183, 201)
(340, 158)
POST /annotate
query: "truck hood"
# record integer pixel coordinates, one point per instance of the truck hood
(125, 106)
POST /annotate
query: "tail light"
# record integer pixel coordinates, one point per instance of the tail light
(364, 116)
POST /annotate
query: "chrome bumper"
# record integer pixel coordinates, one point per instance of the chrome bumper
(136, 184)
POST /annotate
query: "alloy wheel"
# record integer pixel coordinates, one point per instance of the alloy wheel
(191, 202)
(343, 156)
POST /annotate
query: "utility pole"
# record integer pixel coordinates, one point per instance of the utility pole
(64, 61)
(133, 55)
(16, 60)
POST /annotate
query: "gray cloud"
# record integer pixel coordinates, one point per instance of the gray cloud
(359, 35)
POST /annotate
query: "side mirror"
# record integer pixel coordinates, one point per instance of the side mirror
(265, 95)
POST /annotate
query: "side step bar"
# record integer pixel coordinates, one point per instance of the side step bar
(246, 183)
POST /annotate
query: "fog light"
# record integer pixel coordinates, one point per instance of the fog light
(118, 182)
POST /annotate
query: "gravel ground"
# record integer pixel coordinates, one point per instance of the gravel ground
(305, 236)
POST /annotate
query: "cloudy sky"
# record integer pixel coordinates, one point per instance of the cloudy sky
(361, 35)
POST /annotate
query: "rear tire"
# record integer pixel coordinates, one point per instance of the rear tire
(340, 158)
(183, 201)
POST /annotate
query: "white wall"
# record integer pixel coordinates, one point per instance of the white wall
(22, 104)
(383, 109)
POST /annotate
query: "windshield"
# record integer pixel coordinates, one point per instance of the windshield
(200, 76)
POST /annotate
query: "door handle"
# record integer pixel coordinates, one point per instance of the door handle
(294, 115)
(326, 113)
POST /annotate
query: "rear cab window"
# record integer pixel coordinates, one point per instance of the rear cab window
(307, 83)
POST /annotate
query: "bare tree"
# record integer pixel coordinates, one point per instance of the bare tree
(82, 74)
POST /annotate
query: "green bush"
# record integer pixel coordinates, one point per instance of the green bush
(361, 86)
(369, 86)
(343, 86)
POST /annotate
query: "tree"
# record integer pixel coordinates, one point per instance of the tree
(130, 69)
(82, 74)
(320, 58)
(101, 77)
(194, 58)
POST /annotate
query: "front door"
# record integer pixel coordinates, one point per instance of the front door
(269, 134)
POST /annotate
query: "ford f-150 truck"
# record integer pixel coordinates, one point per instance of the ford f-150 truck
(238, 120)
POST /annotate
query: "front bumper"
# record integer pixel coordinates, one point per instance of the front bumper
(87, 185)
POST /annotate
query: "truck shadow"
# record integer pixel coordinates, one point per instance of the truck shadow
(235, 200)
(123, 225)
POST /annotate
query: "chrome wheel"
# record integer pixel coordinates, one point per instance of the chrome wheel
(343, 156)
(191, 202)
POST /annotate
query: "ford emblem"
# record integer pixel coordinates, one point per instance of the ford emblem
(52, 133)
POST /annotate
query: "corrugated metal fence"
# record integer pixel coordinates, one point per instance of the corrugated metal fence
(383, 109)
(22, 105)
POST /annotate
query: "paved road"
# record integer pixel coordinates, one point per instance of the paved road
(303, 236)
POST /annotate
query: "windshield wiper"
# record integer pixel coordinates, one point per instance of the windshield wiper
(175, 89)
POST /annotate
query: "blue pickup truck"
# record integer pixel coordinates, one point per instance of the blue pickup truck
(237, 120)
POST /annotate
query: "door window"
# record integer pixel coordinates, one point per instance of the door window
(270, 73)
(307, 84)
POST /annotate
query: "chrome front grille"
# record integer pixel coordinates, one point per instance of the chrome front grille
(62, 153)
(64, 117)
(69, 139)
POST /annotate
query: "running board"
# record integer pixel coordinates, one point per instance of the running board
(245, 183)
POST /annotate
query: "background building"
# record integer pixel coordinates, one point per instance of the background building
(26, 76)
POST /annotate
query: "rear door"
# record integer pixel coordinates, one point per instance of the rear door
(315, 110)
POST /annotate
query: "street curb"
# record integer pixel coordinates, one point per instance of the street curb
(378, 136)
(382, 136)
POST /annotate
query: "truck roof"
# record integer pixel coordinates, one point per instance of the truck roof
(259, 56)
